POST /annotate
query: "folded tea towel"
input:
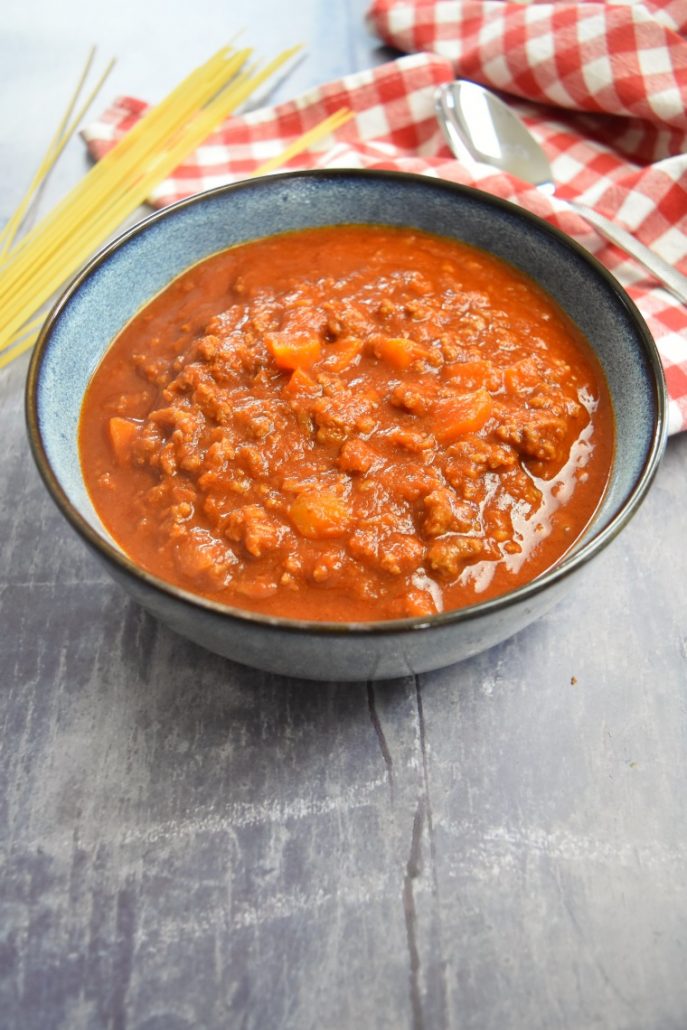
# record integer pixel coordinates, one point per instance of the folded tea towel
(603, 86)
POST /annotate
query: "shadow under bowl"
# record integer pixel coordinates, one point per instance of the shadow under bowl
(129, 272)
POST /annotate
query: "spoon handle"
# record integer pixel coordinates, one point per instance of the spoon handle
(649, 259)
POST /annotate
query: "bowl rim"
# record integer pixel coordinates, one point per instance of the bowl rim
(561, 570)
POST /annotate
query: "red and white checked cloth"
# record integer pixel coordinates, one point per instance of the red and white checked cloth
(603, 87)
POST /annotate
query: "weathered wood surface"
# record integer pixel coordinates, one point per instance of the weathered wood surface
(187, 843)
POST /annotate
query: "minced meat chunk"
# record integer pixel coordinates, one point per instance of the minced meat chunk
(357, 456)
(336, 424)
(445, 512)
(392, 552)
(535, 434)
(255, 529)
(450, 554)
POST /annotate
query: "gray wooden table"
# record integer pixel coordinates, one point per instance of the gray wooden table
(187, 843)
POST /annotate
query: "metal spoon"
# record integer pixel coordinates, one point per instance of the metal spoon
(479, 126)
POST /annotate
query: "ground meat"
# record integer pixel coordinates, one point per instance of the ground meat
(341, 412)
(417, 398)
(342, 424)
(409, 481)
(389, 551)
(445, 513)
(357, 456)
(199, 555)
(411, 439)
(535, 434)
(253, 460)
(448, 556)
(259, 533)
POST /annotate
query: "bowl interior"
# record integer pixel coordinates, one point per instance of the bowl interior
(131, 271)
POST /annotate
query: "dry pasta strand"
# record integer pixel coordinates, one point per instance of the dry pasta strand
(308, 138)
(147, 136)
(54, 249)
(68, 251)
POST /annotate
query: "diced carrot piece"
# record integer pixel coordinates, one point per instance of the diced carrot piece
(292, 352)
(301, 382)
(398, 351)
(470, 374)
(319, 516)
(122, 435)
(340, 355)
(462, 414)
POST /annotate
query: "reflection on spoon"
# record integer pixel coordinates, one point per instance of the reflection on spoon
(478, 126)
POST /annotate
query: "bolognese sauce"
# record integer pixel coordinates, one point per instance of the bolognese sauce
(348, 423)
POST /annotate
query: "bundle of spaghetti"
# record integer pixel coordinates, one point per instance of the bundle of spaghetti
(51, 252)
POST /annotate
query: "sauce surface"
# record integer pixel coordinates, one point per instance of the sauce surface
(349, 423)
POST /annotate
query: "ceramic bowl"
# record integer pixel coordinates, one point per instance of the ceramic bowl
(130, 271)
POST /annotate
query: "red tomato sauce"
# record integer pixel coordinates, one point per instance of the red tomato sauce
(349, 423)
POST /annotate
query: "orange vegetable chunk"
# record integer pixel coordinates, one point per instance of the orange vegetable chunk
(397, 351)
(338, 423)
(292, 352)
(319, 516)
(462, 414)
(470, 374)
(301, 382)
(340, 355)
(122, 435)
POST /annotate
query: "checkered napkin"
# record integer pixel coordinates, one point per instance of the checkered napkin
(603, 86)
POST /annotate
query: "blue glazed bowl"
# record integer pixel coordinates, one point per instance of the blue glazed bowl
(130, 271)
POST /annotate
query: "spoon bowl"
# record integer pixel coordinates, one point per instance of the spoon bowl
(479, 126)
